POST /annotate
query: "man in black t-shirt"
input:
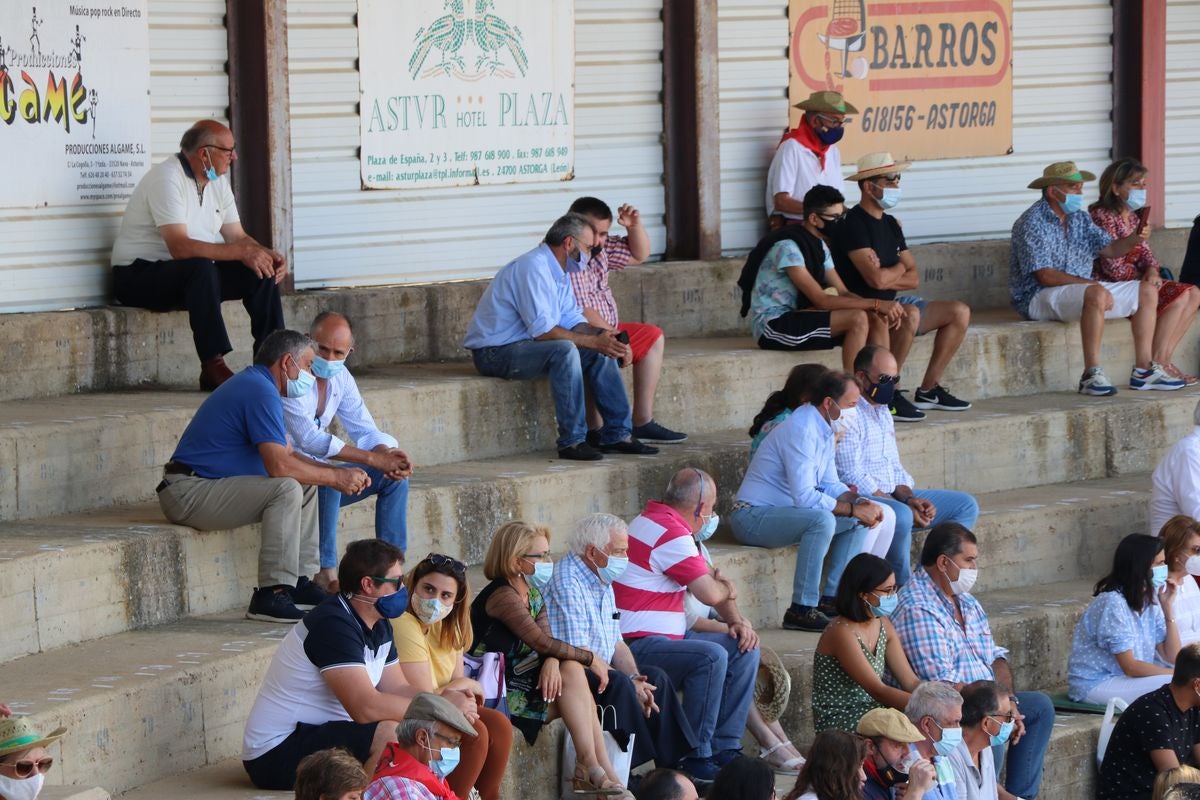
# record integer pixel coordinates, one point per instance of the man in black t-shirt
(1159, 731)
(874, 261)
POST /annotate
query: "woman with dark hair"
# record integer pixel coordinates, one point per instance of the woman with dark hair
(857, 647)
(1122, 193)
(1126, 640)
(796, 391)
(431, 637)
(834, 770)
(744, 778)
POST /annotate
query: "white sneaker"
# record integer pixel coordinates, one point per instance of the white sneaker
(1153, 378)
(1096, 383)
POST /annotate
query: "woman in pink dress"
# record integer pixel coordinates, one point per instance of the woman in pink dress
(1122, 193)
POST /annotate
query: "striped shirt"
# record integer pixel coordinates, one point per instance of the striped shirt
(663, 560)
(591, 283)
(867, 456)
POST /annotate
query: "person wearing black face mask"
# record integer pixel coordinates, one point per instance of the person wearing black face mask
(889, 761)
(807, 156)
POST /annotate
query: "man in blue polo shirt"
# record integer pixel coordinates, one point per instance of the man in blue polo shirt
(335, 680)
(528, 324)
(234, 466)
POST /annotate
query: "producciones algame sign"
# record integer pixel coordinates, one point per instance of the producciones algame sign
(931, 79)
(74, 101)
(459, 92)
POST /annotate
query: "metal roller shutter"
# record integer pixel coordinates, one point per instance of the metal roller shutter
(1183, 112)
(345, 236)
(58, 257)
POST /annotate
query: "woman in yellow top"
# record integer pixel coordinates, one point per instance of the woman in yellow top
(431, 637)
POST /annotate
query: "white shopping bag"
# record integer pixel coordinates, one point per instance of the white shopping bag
(1115, 705)
(621, 759)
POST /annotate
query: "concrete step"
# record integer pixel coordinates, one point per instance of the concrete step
(81, 452)
(73, 793)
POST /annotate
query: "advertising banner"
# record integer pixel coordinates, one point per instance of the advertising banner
(931, 79)
(461, 92)
(74, 101)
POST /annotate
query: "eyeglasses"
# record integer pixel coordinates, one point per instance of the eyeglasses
(890, 179)
(1002, 718)
(536, 556)
(834, 122)
(886, 592)
(833, 217)
(440, 561)
(226, 150)
(447, 739)
(23, 769)
(393, 581)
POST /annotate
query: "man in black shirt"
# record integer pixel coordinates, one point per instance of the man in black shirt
(874, 261)
(1159, 731)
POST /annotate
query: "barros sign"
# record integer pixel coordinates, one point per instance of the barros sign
(931, 79)
(460, 92)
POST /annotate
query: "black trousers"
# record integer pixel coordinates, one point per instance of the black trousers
(198, 285)
(666, 737)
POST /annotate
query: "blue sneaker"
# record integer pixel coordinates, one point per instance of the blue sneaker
(273, 604)
(1154, 378)
(1095, 383)
(700, 770)
(653, 432)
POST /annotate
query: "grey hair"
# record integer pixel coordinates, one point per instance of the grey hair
(282, 343)
(932, 699)
(571, 225)
(406, 731)
(686, 487)
(596, 530)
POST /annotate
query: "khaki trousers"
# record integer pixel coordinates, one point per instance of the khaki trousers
(287, 511)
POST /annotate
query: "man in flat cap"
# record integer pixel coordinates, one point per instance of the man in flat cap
(1050, 277)
(807, 155)
(427, 748)
(890, 762)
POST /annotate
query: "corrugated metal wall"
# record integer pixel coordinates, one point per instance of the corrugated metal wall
(1183, 112)
(345, 236)
(58, 257)
(1062, 98)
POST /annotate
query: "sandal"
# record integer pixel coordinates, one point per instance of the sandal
(1176, 372)
(585, 782)
(789, 766)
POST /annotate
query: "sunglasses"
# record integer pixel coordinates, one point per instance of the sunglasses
(23, 769)
(393, 581)
(440, 562)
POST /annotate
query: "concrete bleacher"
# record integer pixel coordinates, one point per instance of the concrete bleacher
(128, 630)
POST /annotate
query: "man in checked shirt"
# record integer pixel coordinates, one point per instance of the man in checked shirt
(600, 308)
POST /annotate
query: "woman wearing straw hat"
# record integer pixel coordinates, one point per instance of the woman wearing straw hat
(23, 758)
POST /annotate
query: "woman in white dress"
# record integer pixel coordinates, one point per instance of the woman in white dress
(1181, 543)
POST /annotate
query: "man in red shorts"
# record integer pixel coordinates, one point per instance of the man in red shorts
(596, 299)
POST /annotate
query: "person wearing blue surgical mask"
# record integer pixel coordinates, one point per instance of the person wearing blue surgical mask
(936, 709)
(987, 724)
(1123, 186)
(1126, 642)
(426, 754)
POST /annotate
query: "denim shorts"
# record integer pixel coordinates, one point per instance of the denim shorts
(914, 300)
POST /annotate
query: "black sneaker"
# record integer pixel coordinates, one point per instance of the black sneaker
(307, 595)
(939, 398)
(904, 411)
(653, 432)
(593, 438)
(579, 452)
(632, 447)
(273, 604)
(806, 619)
(827, 607)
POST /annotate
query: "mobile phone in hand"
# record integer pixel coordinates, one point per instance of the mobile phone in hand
(1143, 215)
(623, 338)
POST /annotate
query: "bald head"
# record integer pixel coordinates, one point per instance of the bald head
(204, 133)
(333, 335)
(692, 492)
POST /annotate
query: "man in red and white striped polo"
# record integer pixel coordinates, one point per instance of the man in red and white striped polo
(664, 564)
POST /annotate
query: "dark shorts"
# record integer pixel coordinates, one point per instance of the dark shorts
(799, 330)
(276, 769)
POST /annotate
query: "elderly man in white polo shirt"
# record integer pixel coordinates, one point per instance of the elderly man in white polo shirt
(807, 155)
(1176, 480)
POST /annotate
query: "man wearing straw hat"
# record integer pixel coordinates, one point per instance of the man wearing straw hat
(1050, 267)
(23, 759)
(873, 260)
(807, 155)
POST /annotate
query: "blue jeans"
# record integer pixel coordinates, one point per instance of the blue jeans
(1025, 758)
(717, 683)
(569, 368)
(951, 506)
(391, 513)
(817, 532)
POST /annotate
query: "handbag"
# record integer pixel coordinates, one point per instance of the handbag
(488, 669)
(1115, 706)
(620, 759)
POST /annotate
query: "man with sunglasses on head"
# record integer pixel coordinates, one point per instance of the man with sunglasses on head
(807, 155)
(182, 246)
(867, 457)
(873, 259)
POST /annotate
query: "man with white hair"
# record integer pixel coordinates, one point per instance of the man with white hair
(583, 613)
(715, 670)
(1176, 480)
(936, 709)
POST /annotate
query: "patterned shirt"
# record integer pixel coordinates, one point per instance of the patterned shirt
(774, 292)
(938, 648)
(1040, 242)
(867, 456)
(1152, 722)
(582, 610)
(1109, 626)
(591, 284)
(390, 788)
(1132, 265)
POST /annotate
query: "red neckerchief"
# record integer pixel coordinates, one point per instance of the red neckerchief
(806, 137)
(397, 762)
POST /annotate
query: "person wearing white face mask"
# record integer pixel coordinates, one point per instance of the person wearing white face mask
(1122, 194)
(715, 670)
(24, 761)
(234, 465)
(1126, 640)
(1181, 546)
(946, 635)
(427, 750)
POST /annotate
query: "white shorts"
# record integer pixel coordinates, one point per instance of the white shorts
(1065, 303)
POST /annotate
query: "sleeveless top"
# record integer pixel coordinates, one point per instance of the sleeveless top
(838, 701)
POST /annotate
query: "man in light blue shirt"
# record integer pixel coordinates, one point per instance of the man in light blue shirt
(528, 324)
